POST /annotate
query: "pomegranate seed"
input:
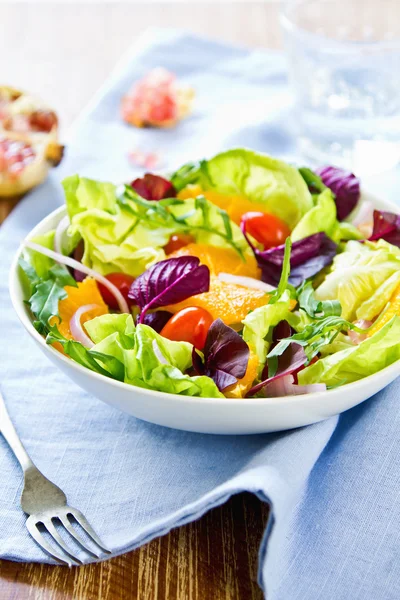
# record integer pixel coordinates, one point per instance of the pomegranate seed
(15, 156)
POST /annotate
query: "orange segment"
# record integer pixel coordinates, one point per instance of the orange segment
(220, 260)
(392, 309)
(234, 205)
(240, 389)
(227, 301)
(87, 292)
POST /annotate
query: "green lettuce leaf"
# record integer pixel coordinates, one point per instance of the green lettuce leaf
(258, 177)
(126, 233)
(82, 194)
(39, 262)
(94, 360)
(322, 217)
(316, 309)
(350, 364)
(258, 326)
(150, 361)
(362, 278)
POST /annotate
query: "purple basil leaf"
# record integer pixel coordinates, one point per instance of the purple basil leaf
(221, 379)
(386, 227)
(77, 254)
(226, 356)
(281, 331)
(153, 187)
(344, 185)
(157, 319)
(169, 282)
(198, 364)
(226, 350)
(290, 361)
(307, 258)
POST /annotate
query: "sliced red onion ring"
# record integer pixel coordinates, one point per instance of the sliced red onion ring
(365, 214)
(60, 230)
(74, 264)
(284, 386)
(249, 282)
(355, 337)
(76, 326)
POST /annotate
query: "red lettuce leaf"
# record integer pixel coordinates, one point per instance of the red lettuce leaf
(308, 256)
(156, 320)
(344, 185)
(169, 282)
(153, 187)
(226, 356)
(289, 362)
(386, 227)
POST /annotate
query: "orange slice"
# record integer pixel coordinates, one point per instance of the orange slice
(87, 292)
(392, 309)
(227, 301)
(221, 260)
(240, 389)
(236, 206)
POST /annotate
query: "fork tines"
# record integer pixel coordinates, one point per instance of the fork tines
(60, 550)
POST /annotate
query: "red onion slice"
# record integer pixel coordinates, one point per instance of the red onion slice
(284, 386)
(76, 326)
(74, 264)
(249, 282)
(60, 230)
(365, 214)
(355, 337)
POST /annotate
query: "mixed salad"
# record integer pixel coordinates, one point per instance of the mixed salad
(238, 276)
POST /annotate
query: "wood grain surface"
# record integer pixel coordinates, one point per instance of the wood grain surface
(64, 52)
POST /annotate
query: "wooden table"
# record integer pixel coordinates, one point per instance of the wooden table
(64, 54)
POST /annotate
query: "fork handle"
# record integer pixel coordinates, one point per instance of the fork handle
(11, 436)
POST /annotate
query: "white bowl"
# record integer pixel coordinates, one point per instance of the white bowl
(204, 415)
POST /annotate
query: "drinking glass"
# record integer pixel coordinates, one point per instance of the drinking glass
(344, 68)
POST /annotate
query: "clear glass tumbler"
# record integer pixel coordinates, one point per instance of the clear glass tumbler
(344, 66)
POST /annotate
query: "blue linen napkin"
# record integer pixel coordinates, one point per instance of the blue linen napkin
(333, 487)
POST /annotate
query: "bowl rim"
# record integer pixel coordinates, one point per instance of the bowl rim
(14, 282)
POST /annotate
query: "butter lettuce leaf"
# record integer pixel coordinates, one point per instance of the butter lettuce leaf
(322, 217)
(353, 363)
(258, 177)
(362, 278)
(258, 326)
(150, 360)
(123, 232)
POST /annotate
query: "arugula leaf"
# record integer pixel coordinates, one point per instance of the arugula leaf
(44, 302)
(317, 309)
(316, 335)
(185, 175)
(46, 293)
(31, 278)
(162, 213)
(313, 181)
(283, 282)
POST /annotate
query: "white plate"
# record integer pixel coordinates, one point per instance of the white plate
(204, 415)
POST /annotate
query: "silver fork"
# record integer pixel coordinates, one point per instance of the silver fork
(46, 503)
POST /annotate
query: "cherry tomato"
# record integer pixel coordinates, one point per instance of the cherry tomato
(121, 281)
(266, 229)
(190, 324)
(178, 241)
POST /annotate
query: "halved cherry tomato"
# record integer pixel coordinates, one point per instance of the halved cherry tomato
(123, 282)
(266, 229)
(178, 241)
(190, 324)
